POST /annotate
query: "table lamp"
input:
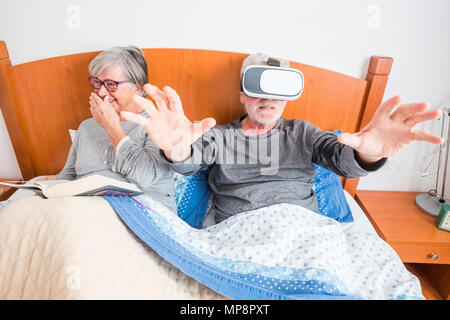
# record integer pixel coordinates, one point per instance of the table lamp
(431, 202)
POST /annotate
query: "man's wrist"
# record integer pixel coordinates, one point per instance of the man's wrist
(178, 155)
(367, 158)
(369, 165)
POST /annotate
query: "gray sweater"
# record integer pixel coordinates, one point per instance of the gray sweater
(250, 172)
(136, 160)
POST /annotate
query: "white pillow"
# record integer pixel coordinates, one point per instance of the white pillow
(72, 134)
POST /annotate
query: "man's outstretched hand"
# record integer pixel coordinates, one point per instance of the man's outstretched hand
(388, 133)
(166, 124)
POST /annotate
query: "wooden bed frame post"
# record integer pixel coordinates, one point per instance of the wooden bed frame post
(377, 78)
(8, 103)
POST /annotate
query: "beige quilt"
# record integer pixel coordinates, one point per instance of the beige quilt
(79, 248)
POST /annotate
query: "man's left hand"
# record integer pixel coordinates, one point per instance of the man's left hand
(388, 133)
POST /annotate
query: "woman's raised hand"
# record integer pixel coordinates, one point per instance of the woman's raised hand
(166, 124)
(107, 117)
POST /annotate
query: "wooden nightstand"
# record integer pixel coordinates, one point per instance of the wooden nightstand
(6, 192)
(412, 233)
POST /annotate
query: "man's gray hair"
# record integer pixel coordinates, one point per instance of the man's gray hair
(261, 59)
(131, 60)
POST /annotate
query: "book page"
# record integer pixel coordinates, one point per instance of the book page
(31, 185)
(27, 185)
(48, 183)
(88, 186)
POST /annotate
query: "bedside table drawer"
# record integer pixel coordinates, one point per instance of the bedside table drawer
(417, 253)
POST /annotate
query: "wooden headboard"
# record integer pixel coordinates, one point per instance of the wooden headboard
(42, 100)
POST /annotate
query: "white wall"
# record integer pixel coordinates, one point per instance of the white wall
(337, 35)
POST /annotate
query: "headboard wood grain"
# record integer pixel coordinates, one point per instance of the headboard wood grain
(41, 100)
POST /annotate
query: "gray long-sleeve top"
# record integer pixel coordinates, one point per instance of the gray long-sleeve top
(250, 172)
(136, 160)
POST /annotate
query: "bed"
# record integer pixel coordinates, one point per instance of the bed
(85, 248)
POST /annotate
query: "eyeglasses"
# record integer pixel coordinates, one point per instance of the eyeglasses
(110, 85)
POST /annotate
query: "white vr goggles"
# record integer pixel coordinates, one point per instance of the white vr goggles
(272, 81)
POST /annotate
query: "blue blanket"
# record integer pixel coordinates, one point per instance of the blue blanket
(279, 252)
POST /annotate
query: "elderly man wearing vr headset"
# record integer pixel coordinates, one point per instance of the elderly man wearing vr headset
(239, 153)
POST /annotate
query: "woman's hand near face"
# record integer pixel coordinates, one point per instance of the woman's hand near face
(106, 116)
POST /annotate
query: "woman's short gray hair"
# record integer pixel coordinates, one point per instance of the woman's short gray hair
(260, 58)
(131, 60)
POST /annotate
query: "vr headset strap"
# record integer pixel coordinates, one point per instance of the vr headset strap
(273, 63)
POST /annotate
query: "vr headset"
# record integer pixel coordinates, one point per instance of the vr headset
(272, 81)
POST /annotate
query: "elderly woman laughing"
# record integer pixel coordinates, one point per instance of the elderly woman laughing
(107, 144)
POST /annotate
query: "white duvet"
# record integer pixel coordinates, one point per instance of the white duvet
(79, 248)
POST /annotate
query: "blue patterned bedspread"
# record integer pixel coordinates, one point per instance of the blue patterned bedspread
(279, 252)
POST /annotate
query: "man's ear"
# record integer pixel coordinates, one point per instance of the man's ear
(241, 97)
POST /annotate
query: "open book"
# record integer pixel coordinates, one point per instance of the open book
(95, 185)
